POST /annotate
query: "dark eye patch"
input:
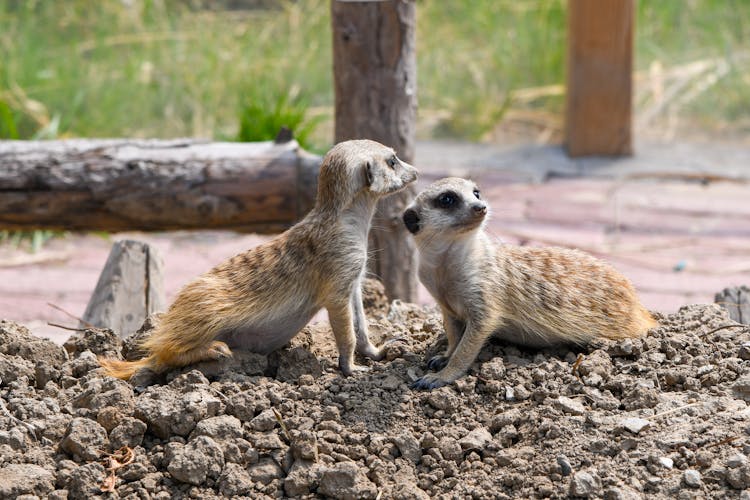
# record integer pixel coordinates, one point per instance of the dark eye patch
(447, 200)
(476, 193)
(392, 161)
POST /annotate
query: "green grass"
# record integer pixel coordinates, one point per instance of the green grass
(164, 69)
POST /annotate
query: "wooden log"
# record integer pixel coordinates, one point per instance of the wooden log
(737, 302)
(598, 117)
(154, 185)
(375, 76)
(130, 288)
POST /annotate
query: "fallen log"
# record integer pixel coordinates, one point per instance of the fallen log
(155, 185)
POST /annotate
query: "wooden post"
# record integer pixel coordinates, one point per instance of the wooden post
(737, 302)
(130, 288)
(599, 92)
(375, 71)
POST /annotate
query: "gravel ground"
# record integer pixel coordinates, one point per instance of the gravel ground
(664, 416)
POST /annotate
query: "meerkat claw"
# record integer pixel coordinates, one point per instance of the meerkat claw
(219, 350)
(437, 363)
(428, 382)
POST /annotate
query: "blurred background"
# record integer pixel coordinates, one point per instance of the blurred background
(491, 93)
(488, 70)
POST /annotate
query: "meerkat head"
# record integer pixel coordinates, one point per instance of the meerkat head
(449, 207)
(361, 166)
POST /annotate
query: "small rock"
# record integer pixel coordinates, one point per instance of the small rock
(493, 369)
(635, 424)
(235, 481)
(409, 447)
(221, 428)
(302, 478)
(565, 468)
(666, 462)
(304, 445)
(443, 399)
(692, 478)
(264, 421)
(265, 471)
(475, 440)
(84, 481)
(450, 449)
(346, 481)
(741, 388)
(25, 479)
(84, 439)
(736, 460)
(744, 352)
(584, 484)
(198, 460)
(129, 432)
(296, 362)
(571, 406)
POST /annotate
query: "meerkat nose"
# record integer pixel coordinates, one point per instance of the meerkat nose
(479, 209)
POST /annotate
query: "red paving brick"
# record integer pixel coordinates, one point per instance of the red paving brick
(646, 228)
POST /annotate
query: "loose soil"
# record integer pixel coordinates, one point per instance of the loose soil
(664, 416)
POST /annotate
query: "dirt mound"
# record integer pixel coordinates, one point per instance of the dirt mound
(663, 416)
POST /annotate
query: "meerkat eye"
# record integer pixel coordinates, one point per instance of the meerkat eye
(446, 200)
(392, 161)
(476, 193)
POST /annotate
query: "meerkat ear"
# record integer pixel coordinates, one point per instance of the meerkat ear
(368, 174)
(411, 220)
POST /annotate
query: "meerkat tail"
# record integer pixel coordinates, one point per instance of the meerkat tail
(645, 320)
(123, 369)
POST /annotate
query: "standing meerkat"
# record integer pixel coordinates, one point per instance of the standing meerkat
(526, 295)
(260, 299)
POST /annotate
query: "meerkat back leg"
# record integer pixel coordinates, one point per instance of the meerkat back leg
(454, 329)
(210, 352)
(463, 356)
(340, 316)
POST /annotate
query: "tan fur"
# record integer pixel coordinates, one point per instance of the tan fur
(526, 295)
(260, 299)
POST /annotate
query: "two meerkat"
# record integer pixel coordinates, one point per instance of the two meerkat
(526, 295)
(260, 299)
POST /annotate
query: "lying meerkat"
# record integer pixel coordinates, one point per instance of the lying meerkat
(260, 299)
(526, 295)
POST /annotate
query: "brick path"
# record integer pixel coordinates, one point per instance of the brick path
(678, 239)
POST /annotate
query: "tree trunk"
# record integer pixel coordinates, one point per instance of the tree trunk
(118, 185)
(600, 89)
(375, 75)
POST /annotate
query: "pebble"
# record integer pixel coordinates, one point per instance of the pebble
(666, 462)
(584, 484)
(692, 478)
(737, 460)
(635, 424)
(570, 406)
(745, 351)
(476, 439)
(565, 468)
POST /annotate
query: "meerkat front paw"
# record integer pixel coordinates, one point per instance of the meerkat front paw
(437, 363)
(429, 382)
(219, 350)
(351, 369)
